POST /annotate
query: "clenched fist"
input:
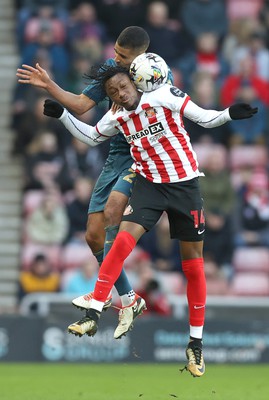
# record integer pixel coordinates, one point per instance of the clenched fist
(52, 108)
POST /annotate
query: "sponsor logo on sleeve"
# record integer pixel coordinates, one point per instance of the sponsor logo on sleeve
(177, 92)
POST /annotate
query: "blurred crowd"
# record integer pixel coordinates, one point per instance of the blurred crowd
(218, 51)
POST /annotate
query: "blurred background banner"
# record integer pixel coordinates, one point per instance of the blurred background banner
(153, 339)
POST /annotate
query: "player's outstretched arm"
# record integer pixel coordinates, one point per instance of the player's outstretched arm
(85, 133)
(39, 77)
(214, 118)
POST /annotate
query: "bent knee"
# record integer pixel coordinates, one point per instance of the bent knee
(95, 239)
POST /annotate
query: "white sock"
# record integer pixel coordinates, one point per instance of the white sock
(128, 298)
(97, 305)
(196, 331)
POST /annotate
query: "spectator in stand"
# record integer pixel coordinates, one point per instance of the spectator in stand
(147, 283)
(200, 16)
(118, 14)
(30, 11)
(264, 20)
(28, 121)
(80, 279)
(83, 160)
(77, 209)
(48, 223)
(39, 278)
(241, 9)
(44, 17)
(45, 165)
(206, 57)
(252, 212)
(237, 36)
(204, 93)
(162, 30)
(92, 116)
(219, 197)
(256, 49)
(157, 302)
(46, 47)
(246, 86)
(23, 111)
(87, 35)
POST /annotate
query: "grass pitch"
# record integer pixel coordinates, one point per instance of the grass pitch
(131, 382)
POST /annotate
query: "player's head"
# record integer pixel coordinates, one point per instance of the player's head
(131, 42)
(117, 84)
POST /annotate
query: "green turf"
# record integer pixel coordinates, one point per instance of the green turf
(131, 381)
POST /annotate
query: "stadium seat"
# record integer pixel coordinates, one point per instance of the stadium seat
(248, 156)
(250, 284)
(217, 287)
(172, 282)
(251, 259)
(75, 254)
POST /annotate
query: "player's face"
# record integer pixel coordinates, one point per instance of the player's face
(122, 91)
(124, 56)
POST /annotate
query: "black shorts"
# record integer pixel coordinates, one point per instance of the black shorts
(182, 201)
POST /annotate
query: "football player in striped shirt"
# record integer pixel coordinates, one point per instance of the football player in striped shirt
(167, 180)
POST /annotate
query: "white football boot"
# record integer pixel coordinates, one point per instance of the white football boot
(127, 315)
(84, 302)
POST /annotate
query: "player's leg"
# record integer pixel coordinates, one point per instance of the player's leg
(144, 210)
(113, 212)
(95, 231)
(188, 225)
(95, 234)
(95, 237)
(193, 269)
(110, 194)
(114, 209)
(107, 276)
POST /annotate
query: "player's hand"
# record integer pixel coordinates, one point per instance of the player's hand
(115, 107)
(52, 108)
(242, 111)
(33, 76)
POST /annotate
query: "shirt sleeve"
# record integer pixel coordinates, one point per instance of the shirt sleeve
(91, 135)
(206, 118)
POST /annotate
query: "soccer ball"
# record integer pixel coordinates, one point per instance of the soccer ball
(149, 71)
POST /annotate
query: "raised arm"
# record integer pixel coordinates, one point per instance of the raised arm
(39, 77)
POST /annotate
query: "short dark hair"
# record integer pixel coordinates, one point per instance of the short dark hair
(101, 73)
(134, 37)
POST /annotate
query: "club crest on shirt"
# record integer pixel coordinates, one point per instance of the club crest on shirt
(150, 112)
(177, 92)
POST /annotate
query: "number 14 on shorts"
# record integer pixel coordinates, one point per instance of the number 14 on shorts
(198, 218)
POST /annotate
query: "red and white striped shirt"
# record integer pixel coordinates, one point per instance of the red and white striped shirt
(159, 143)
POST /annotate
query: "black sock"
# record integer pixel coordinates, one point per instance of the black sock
(93, 314)
(194, 342)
